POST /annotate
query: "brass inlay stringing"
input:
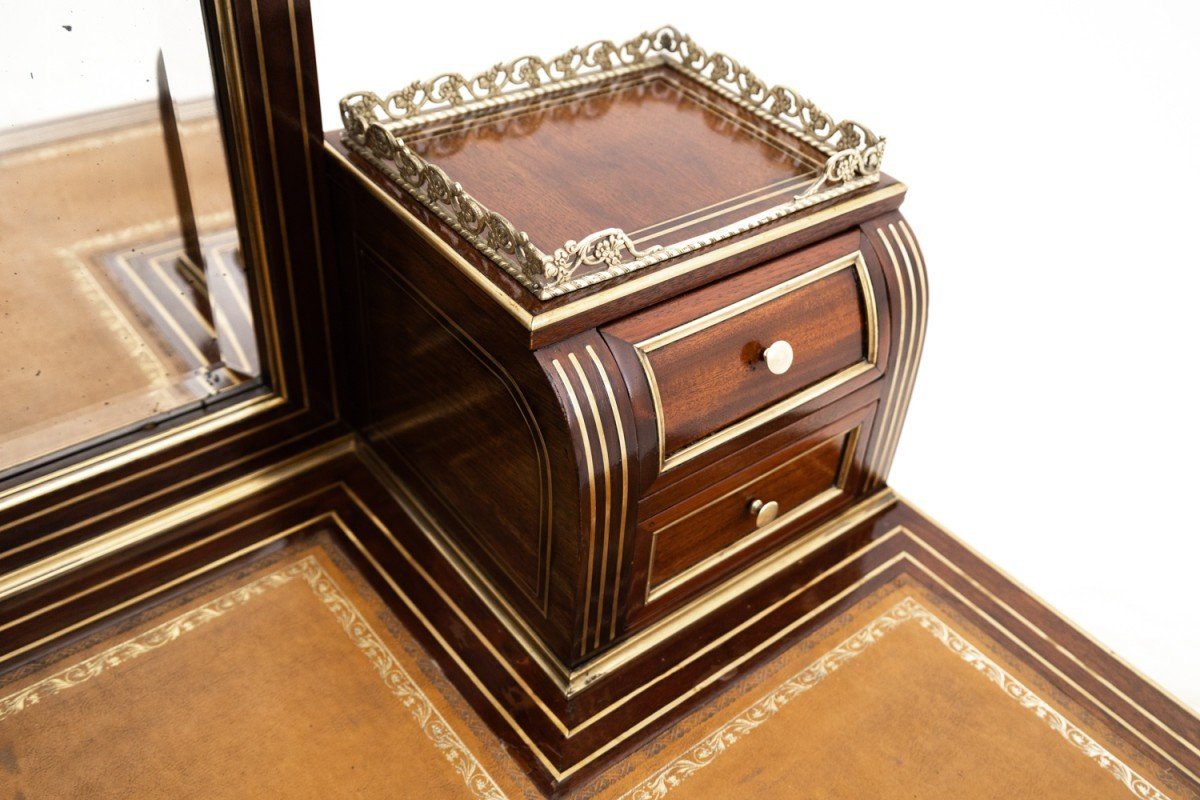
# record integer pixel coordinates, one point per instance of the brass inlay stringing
(513, 388)
(911, 301)
(311, 572)
(645, 347)
(531, 321)
(908, 610)
(835, 491)
(852, 152)
(591, 486)
(638, 643)
(624, 454)
(77, 556)
(607, 467)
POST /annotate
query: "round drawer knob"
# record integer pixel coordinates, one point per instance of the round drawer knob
(778, 357)
(764, 513)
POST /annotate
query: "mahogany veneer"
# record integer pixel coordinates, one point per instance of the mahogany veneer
(595, 454)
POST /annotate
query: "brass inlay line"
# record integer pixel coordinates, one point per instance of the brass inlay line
(148, 565)
(645, 347)
(1058, 672)
(657, 590)
(920, 301)
(318, 250)
(631, 648)
(449, 649)
(269, 115)
(612, 403)
(591, 484)
(395, 677)
(162, 587)
(147, 527)
(608, 499)
(493, 365)
(904, 373)
(265, 301)
(108, 512)
(908, 610)
(902, 346)
(716, 597)
(672, 270)
(1025, 621)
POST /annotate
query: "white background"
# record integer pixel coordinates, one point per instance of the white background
(106, 59)
(1052, 154)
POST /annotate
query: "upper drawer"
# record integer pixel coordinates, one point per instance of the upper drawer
(705, 354)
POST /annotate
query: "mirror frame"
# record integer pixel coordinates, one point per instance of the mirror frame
(266, 92)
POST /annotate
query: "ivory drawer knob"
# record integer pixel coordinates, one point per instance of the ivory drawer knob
(764, 513)
(778, 357)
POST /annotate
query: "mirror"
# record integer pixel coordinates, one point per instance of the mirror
(124, 297)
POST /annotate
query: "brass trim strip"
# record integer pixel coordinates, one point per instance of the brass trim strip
(1032, 595)
(513, 622)
(264, 300)
(612, 403)
(714, 255)
(498, 370)
(449, 253)
(162, 587)
(716, 439)
(73, 558)
(269, 116)
(920, 301)
(48, 484)
(598, 664)
(1041, 659)
(608, 498)
(903, 348)
(553, 316)
(318, 250)
(591, 485)
(645, 639)
(124, 506)
(655, 591)
(905, 612)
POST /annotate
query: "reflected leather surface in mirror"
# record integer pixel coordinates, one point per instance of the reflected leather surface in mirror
(125, 297)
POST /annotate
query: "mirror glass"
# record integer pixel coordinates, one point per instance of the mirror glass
(124, 298)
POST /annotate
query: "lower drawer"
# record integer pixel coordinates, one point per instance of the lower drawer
(708, 535)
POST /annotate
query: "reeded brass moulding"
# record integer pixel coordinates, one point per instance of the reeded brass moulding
(853, 153)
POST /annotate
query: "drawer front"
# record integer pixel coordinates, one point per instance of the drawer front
(708, 373)
(753, 508)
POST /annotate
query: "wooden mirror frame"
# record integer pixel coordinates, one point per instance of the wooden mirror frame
(266, 92)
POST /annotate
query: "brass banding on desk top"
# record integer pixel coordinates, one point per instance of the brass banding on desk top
(852, 152)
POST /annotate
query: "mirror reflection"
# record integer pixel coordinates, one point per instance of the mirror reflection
(123, 293)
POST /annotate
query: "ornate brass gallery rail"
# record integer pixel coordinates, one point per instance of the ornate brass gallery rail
(852, 152)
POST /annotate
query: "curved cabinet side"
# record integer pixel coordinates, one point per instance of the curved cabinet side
(904, 269)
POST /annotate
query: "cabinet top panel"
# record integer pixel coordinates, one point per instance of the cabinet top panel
(610, 159)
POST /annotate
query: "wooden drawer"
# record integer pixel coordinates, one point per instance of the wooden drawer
(714, 531)
(703, 353)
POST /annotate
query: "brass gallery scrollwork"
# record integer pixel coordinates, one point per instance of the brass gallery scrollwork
(852, 152)
(602, 247)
